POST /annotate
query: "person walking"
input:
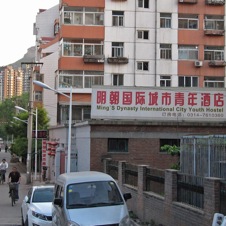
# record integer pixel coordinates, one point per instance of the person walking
(15, 177)
(3, 167)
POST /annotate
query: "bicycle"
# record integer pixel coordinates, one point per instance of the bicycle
(13, 190)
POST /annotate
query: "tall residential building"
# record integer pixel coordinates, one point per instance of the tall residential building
(13, 82)
(152, 43)
(1, 85)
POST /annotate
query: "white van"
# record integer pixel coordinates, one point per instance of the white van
(89, 198)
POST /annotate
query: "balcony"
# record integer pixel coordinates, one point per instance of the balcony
(217, 63)
(93, 58)
(215, 2)
(118, 60)
(214, 32)
(188, 1)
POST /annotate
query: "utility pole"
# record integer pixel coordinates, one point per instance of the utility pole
(30, 118)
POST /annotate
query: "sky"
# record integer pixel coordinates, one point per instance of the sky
(16, 27)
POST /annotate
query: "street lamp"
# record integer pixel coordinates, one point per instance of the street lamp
(36, 134)
(43, 85)
(24, 121)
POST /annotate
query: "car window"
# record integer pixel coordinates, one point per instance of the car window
(43, 195)
(93, 194)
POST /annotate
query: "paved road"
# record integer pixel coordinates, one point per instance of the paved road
(11, 215)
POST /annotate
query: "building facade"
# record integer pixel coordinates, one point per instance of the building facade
(140, 43)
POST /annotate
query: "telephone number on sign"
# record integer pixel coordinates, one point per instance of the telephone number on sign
(207, 115)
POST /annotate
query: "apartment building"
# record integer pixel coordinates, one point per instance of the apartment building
(144, 43)
(13, 82)
(173, 44)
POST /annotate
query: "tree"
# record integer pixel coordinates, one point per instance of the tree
(7, 111)
(19, 130)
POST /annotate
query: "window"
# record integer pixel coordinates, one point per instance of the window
(38, 76)
(117, 145)
(213, 82)
(143, 3)
(188, 81)
(214, 22)
(117, 18)
(165, 81)
(79, 113)
(143, 34)
(117, 49)
(143, 66)
(187, 52)
(93, 80)
(83, 15)
(165, 51)
(214, 53)
(170, 142)
(117, 79)
(38, 96)
(165, 20)
(80, 79)
(187, 21)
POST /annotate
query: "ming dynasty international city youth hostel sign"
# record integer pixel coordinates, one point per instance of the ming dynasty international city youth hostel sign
(158, 104)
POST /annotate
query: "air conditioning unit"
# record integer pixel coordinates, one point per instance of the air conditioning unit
(181, 0)
(198, 63)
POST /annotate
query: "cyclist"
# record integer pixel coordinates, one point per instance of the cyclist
(15, 177)
(3, 167)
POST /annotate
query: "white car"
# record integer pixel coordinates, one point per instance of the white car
(36, 207)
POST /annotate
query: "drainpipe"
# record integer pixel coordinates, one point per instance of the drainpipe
(135, 26)
(155, 75)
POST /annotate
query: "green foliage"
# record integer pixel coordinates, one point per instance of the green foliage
(17, 129)
(173, 150)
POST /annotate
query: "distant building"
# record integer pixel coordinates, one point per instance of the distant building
(13, 82)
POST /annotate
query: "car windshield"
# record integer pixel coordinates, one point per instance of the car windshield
(92, 194)
(43, 195)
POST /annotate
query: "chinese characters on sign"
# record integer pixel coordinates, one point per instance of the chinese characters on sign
(150, 104)
(44, 148)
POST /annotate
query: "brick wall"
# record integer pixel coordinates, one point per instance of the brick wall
(165, 209)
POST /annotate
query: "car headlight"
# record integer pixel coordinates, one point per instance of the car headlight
(71, 223)
(125, 221)
(40, 216)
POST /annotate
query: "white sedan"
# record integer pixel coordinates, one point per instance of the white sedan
(36, 207)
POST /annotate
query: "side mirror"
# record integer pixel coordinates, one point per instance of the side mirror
(127, 196)
(58, 202)
(26, 199)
